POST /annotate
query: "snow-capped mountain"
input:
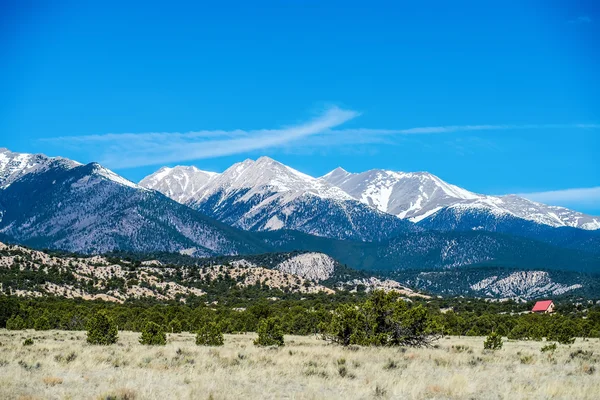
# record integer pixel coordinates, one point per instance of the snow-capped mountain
(88, 208)
(407, 195)
(180, 183)
(266, 173)
(266, 195)
(15, 165)
(420, 195)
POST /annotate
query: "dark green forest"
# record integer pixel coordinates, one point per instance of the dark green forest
(242, 311)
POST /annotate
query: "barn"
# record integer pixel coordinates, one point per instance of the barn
(543, 307)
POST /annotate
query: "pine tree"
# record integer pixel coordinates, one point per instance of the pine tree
(101, 329)
(42, 323)
(269, 333)
(209, 335)
(153, 334)
(493, 341)
(15, 323)
(175, 326)
(562, 332)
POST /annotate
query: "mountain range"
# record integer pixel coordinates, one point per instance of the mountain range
(265, 195)
(378, 220)
(414, 196)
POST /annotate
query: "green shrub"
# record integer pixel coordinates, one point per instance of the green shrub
(42, 323)
(518, 332)
(101, 329)
(562, 332)
(269, 333)
(175, 326)
(28, 342)
(15, 323)
(153, 334)
(527, 359)
(549, 347)
(209, 335)
(493, 342)
(382, 320)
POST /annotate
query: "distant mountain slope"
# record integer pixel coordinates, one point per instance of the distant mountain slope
(91, 209)
(420, 195)
(452, 219)
(124, 276)
(502, 282)
(439, 250)
(265, 195)
(26, 272)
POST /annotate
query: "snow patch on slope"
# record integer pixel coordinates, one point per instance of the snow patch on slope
(180, 183)
(110, 175)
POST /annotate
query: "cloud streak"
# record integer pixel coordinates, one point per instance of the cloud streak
(576, 196)
(584, 19)
(128, 150)
(461, 128)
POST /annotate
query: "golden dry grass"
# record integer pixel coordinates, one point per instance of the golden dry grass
(60, 365)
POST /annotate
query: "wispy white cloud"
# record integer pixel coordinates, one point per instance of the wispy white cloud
(576, 196)
(127, 150)
(460, 128)
(584, 19)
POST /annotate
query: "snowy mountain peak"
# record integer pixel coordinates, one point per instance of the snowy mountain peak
(416, 196)
(268, 175)
(264, 195)
(338, 174)
(420, 195)
(99, 170)
(180, 183)
(404, 194)
(15, 165)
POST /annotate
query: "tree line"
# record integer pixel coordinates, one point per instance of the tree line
(364, 319)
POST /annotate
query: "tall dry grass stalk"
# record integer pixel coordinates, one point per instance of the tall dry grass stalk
(60, 365)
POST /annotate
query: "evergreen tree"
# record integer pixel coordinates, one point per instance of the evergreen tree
(382, 320)
(15, 323)
(493, 341)
(269, 333)
(153, 334)
(42, 323)
(175, 326)
(209, 334)
(562, 332)
(101, 329)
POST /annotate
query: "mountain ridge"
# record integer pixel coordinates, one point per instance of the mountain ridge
(265, 195)
(90, 208)
(413, 196)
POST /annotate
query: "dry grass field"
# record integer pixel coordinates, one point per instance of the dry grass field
(60, 365)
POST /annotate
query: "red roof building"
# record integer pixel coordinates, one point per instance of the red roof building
(543, 306)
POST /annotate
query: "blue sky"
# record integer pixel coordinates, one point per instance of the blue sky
(496, 97)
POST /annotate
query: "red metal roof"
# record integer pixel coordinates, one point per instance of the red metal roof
(542, 305)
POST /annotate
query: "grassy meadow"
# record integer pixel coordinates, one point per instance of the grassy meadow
(60, 365)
